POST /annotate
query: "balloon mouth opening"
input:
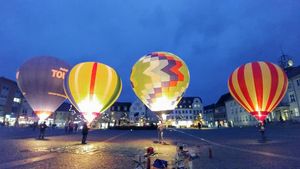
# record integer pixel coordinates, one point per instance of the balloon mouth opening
(162, 104)
(43, 115)
(90, 116)
(260, 115)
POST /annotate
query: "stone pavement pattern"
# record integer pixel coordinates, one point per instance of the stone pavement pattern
(235, 148)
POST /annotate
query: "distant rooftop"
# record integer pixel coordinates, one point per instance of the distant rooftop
(223, 99)
(292, 71)
(211, 106)
(8, 80)
(185, 102)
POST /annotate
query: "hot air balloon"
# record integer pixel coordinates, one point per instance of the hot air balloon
(41, 81)
(92, 88)
(258, 87)
(159, 80)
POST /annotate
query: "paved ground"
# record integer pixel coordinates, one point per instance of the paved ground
(234, 148)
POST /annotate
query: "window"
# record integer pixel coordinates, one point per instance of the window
(17, 100)
(292, 98)
(4, 91)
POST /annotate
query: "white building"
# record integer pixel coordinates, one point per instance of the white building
(293, 93)
(237, 115)
(140, 115)
(187, 112)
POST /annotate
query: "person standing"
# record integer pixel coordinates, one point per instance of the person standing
(66, 127)
(75, 127)
(70, 127)
(35, 125)
(85, 131)
(262, 130)
(43, 127)
(199, 125)
(160, 130)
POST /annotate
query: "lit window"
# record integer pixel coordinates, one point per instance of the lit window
(17, 100)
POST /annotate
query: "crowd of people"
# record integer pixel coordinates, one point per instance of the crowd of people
(71, 127)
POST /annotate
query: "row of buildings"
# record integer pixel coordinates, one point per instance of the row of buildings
(226, 112)
(15, 111)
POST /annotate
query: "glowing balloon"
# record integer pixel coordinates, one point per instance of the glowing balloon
(92, 88)
(159, 80)
(41, 81)
(258, 87)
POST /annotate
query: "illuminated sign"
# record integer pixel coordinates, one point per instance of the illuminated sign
(59, 74)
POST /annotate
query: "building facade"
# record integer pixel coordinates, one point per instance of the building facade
(116, 115)
(220, 114)
(237, 116)
(188, 112)
(293, 93)
(10, 101)
(208, 115)
(141, 115)
(64, 114)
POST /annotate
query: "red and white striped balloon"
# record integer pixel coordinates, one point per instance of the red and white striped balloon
(258, 87)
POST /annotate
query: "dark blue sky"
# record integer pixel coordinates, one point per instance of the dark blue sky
(213, 37)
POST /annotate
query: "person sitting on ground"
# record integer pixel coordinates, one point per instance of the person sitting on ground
(179, 158)
(183, 159)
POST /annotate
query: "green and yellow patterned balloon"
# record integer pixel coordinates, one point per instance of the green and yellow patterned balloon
(92, 88)
(159, 80)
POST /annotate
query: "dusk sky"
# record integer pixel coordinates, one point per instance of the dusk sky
(212, 37)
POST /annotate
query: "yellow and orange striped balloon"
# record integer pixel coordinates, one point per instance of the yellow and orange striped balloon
(92, 88)
(258, 87)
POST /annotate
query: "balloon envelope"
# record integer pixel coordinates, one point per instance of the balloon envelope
(258, 87)
(159, 80)
(92, 88)
(41, 81)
